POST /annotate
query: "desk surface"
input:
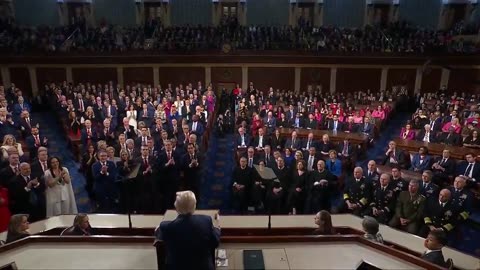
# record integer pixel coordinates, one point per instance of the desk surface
(456, 152)
(407, 240)
(356, 138)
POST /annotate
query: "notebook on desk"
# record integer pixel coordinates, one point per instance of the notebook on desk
(253, 260)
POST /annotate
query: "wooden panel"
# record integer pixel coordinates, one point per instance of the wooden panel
(1, 80)
(21, 78)
(226, 75)
(354, 79)
(276, 77)
(94, 75)
(49, 75)
(181, 75)
(431, 80)
(398, 76)
(134, 75)
(467, 80)
(314, 77)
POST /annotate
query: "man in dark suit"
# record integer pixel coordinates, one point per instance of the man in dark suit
(145, 115)
(108, 133)
(242, 139)
(168, 165)
(144, 189)
(192, 169)
(308, 142)
(104, 176)
(142, 138)
(435, 122)
(311, 123)
(450, 137)
(196, 126)
(27, 194)
(294, 142)
(126, 129)
(26, 123)
(298, 121)
(443, 167)
(383, 202)
(242, 179)
(190, 240)
(260, 140)
(426, 135)
(39, 166)
(11, 170)
(88, 135)
(320, 184)
(367, 128)
(335, 124)
(34, 141)
(350, 126)
(270, 123)
(471, 169)
(434, 243)
(394, 156)
(80, 105)
(267, 157)
(371, 173)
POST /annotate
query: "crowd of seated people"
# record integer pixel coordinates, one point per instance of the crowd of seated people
(399, 37)
(308, 169)
(158, 129)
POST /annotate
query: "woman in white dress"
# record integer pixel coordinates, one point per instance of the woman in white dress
(59, 193)
(132, 116)
(10, 144)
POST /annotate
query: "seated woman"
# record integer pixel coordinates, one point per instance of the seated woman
(10, 144)
(379, 113)
(473, 140)
(333, 164)
(452, 124)
(323, 220)
(371, 228)
(407, 133)
(81, 226)
(18, 228)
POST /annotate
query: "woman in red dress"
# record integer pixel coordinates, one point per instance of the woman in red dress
(256, 124)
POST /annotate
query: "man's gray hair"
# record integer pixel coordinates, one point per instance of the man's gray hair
(185, 203)
(370, 225)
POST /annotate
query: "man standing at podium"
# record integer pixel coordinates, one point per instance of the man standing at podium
(190, 240)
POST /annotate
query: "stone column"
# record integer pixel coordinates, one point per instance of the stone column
(33, 80)
(208, 75)
(383, 79)
(418, 80)
(298, 76)
(120, 76)
(69, 74)
(156, 76)
(244, 77)
(5, 76)
(445, 77)
(333, 80)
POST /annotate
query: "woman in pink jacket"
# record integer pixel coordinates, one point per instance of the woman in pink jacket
(407, 133)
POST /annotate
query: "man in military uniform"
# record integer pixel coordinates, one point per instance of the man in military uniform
(383, 201)
(428, 188)
(439, 215)
(399, 184)
(409, 209)
(461, 198)
(357, 193)
(372, 175)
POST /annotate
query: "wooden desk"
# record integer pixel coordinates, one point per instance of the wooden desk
(339, 136)
(456, 152)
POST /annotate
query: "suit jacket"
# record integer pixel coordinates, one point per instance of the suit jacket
(435, 257)
(200, 129)
(409, 136)
(256, 141)
(311, 124)
(399, 157)
(334, 167)
(129, 132)
(85, 138)
(17, 109)
(238, 140)
(277, 143)
(170, 172)
(104, 184)
(462, 167)
(424, 165)
(349, 150)
(32, 147)
(293, 144)
(350, 127)
(431, 137)
(301, 122)
(23, 201)
(305, 142)
(367, 129)
(331, 125)
(192, 173)
(270, 124)
(449, 165)
(454, 139)
(190, 242)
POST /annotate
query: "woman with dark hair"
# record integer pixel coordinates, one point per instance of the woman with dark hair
(88, 159)
(17, 228)
(59, 192)
(295, 200)
(323, 220)
(473, 140)
(277, 140)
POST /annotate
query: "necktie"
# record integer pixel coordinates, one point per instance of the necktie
(267, 159)
(335, 125)
(145, 160)
(194, 126)
(250, 162)
(81, 105)
(443, 161)
(468, 171)
(27, 179)
(293, 143)
(424, 185)
(144, 113)
(37, 140)
(169, 155)
(310, 163)
(16, 170)
(345, 149)
(89, 132)
(144, 140)
(28, 122)
(44, 166)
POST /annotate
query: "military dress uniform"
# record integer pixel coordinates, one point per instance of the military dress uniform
(462, 201)
(430, 191)
(383, 199)
(399, 185)
(439, 215)
(358, 192)
(409, 207)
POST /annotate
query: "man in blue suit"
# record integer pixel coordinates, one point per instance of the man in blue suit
(104, 177)
(190, 240)
(196, 126)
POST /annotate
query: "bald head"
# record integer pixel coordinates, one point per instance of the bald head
(444, 195)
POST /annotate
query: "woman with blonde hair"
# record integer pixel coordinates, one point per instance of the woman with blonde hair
(10, 144)
(60, 198)
(18, 228)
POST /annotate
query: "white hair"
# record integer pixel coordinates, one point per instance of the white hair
(185, 203)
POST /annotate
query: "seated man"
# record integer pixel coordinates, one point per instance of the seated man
(450, 137)
(357, 193)
(398, 183)
(434, 243)
(426, 135)
(470, 168)
(242, 182)
(394, 156)
(439, 215)
(443, 167)
(461, 198)
(190, 240)
(372, 175)
(428, 188)
(382, 206)
(409, 209)
(294, 142)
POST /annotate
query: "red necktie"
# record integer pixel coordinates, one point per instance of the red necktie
(169, 155)
(146, 161)
(37, 140)
(81, 105)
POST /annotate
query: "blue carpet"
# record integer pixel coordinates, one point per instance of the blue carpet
(59, 147)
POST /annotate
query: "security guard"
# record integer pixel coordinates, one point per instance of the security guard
(357, 193)
(383, 201)
(439, 215)
(461, 197)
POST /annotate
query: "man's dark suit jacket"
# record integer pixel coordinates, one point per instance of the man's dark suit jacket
(454, 139)
(190, 242)
(462, 167)
(421, 134)
(435, 257)
(311, 124)
(129, 133)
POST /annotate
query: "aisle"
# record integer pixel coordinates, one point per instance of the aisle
(58, 146)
